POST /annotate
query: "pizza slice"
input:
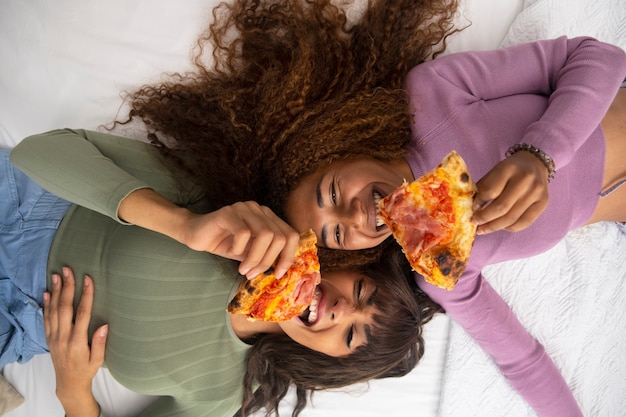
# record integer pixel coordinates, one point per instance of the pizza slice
(269, 299)
(431, 219)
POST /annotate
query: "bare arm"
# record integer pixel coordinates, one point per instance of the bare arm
(124, 179)
(244, 231)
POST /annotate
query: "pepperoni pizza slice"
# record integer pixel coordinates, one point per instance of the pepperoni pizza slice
(431, 220)
(269, 299)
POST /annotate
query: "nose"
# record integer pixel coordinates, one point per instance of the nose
(354, 215)
(339, 310)
(342, 310)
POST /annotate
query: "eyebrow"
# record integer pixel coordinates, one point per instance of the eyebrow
(367, 334)
(320, 204)
(367, 329)
(318, 191)
(371, 300)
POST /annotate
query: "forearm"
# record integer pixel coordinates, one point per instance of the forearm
(580, 76)
(79, 404)
(584, 90)
(146, 208)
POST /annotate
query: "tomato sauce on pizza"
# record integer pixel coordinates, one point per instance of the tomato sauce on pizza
(431, 220)
(269, 299)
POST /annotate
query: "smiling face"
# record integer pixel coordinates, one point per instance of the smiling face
(341, 316)
(339, 202)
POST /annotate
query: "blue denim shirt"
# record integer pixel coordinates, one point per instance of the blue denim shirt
(29, 218)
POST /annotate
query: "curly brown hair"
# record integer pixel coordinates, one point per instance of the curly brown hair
(281, 87)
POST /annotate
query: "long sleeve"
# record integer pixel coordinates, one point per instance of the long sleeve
(580, 76)
(97, 170)
(487, 318)
(170, 407)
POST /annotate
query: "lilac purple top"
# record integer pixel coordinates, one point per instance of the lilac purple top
(552, 94)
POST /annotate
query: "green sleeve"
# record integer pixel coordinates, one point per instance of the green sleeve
(170, 407)
(173, 407)
(97, 170)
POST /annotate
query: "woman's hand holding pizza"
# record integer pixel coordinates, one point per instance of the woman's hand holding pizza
(244, 231)
(248, 232)
(75, 361)
(512, 195)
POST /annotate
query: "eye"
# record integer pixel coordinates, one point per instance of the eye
(349, 336)
(337, 236)
(333, 198)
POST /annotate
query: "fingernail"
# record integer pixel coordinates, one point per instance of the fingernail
(104, 330)
(66, 271)
(46, 296)
(86, 281)
(55, 279)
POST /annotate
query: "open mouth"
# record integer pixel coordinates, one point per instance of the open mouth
(311, 315)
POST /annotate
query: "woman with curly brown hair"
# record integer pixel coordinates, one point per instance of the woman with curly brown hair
(286, 76)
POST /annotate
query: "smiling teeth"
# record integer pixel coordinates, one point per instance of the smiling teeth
(313, 306)
(379, 220)
(377, 198)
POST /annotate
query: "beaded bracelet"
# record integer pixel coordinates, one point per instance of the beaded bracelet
(544, 157)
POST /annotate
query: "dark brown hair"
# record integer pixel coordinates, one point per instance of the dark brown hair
(393, 349)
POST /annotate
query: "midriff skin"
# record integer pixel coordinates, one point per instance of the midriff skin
(613, 206)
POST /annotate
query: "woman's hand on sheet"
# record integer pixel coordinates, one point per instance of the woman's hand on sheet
(512, 195)
(75, 361)
(247, 232)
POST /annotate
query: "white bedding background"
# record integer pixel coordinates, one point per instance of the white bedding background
(63, 63)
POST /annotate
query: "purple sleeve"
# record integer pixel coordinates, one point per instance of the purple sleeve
(581, 76)
(487, 318)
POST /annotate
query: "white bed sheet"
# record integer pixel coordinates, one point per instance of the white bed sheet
(64, 64)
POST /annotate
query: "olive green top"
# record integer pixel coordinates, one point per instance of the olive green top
(169, 333)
